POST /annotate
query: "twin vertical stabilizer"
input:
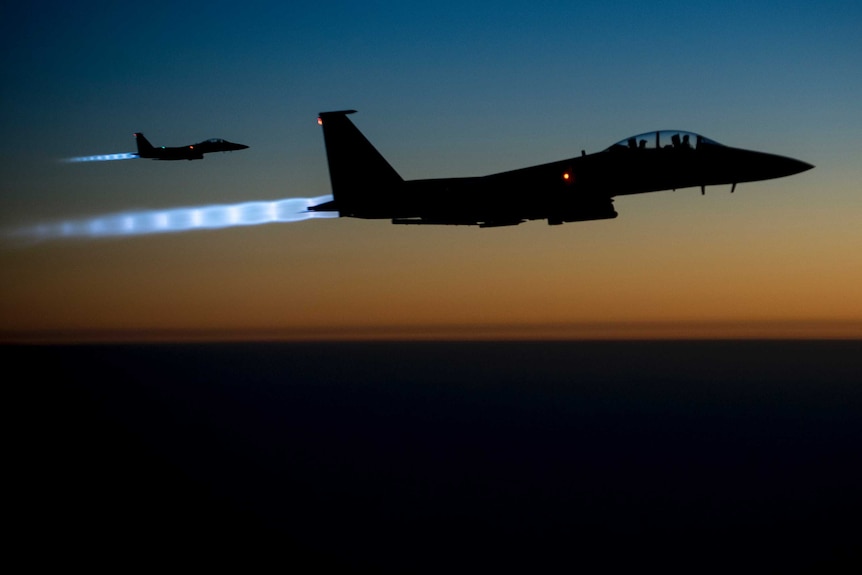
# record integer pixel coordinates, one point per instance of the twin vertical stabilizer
(362, 179)
(145, 148)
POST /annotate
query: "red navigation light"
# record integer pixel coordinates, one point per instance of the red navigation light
(319, 121)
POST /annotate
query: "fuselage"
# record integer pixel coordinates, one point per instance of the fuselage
(581, 188)
(578, 183)
(190, 152)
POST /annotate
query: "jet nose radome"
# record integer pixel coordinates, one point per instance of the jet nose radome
(784, 166)
(762, 166)
(799, 166)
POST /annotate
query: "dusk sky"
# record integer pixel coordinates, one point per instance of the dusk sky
(443, 89)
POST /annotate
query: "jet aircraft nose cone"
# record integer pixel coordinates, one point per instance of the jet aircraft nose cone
(801, 166)
(784, 166)
(749, 166)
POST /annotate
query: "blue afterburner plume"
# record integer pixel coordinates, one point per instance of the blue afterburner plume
(104, 157)
(135, 223)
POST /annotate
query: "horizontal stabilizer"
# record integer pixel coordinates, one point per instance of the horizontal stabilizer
(330, 206)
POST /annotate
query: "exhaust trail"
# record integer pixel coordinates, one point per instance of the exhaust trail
(103, 157)
(137, 223)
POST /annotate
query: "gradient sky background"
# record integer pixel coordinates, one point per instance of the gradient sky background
(443, 89)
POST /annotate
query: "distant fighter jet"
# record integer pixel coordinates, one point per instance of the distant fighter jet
(364, 185)
(193, 152)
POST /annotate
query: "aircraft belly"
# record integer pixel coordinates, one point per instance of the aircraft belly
(467, 200)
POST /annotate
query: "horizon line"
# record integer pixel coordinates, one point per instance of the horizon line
(587, 331)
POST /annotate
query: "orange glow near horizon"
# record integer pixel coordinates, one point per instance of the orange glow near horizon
(620, 331)
(672, 266)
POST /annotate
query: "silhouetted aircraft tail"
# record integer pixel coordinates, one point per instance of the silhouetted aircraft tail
(362, 180)
(145, 148)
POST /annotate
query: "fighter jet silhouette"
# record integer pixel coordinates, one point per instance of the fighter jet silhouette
(364, 185)
(192, 152)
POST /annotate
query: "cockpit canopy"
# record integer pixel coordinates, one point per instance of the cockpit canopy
(215, 141)
(674, 139)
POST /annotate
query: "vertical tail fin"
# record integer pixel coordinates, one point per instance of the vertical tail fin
(362, 180)
(145, 148)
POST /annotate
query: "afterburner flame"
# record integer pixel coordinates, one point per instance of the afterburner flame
(136, 223)
(104, 157)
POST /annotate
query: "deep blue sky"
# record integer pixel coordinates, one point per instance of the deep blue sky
(447, 89)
